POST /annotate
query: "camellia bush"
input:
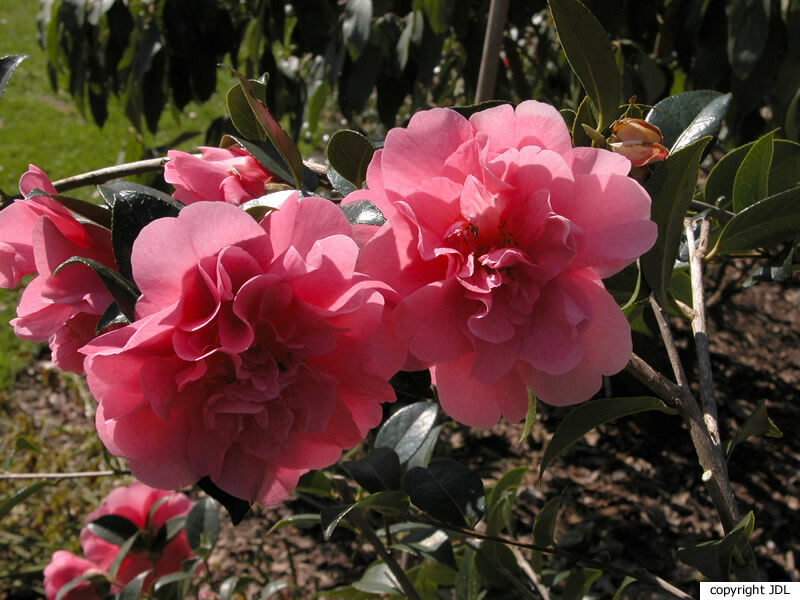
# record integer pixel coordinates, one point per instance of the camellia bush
(243, 331)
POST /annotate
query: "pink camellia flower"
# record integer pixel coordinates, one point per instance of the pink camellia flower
(497, 237)
(135, 502)
(219, 175)
(36, 236)
(258, 352)
(64, 567)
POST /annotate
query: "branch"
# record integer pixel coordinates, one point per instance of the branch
(492, 41)
(77, 475)
(108, 173)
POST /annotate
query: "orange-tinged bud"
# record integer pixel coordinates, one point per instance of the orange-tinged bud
(637, 140)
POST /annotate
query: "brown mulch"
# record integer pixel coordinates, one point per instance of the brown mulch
(631, 490)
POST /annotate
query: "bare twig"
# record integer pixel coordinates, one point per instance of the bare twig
(663, 387)
(492, 41)
(76, 475)
(721, 214)
(109, 173)
(696, 255)
(669, 343)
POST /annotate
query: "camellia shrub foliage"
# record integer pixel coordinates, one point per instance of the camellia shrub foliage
(242, 331)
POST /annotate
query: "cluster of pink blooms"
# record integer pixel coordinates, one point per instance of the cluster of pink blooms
(261, 350)
(134, 503)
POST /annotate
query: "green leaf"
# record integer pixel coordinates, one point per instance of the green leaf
(439, 13)
(242, 116)
(272, 588)
(316, 102)
(120, 556)
(349, 154)
(275, 133)
(447, 490)
(24, 444)
(379, 471)
(530, 417)
(588, 51)
(390, 502)
(316, 483)
(713, 559)
(751, 183)
(757, 423)
(625, 583)
(7, 66)
(258, 208)
(579, 582)
(509, 482)
(406, 430)
(378, 579)
(112, 315)
(500, 501)
(265, 153)
(237, 507)
(784, 174)
(685, 118)
(422, 457)
(115, 529)
(132, 211)
(765, 223)
(544, 526)
(357, 25)
(792, 120)
(133, 589)
(431, 543)
(331, 516)
(298, 520)
(497, 565)
(163, 584)
(591, 414)
(202, 526)
(626, 285)
(363, 212)
(671, 187)
(339, 183)
(583, 117)
(124, 292)
(20, 497)
(92, 579)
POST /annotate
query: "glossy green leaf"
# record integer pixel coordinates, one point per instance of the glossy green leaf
(115, 529)
(764, 224)
(544, 526)
(112, 315)
(406, 430)
(468, 583)
(447, 490)
(578, 583)
(431, 543)
(363, 212)
(272, 588)
(133, 589)
(392, 502)
(509, 482)
(784, 172)
(339, 183)
(24, 444)
(93, 579)
(378, 579)
(748, 29)
(582, 117)
(713, 559)
(497, 566)
(626, 286)
(258, 208)
(132, 211)
(275, 133)
(422, 457)
(7, 66)
(378, 471)
(265, 153)
(501, 499)
(349, 153)
(298, 520)
(124, 292)
(113, 569)
(757, 424)
(621, 589)
(202, 526)
(316, 103)
(671, 187)
(467, 110)
(591, 414)
(242, 116)
(792, 121)
(316, 483)
(751, 183)
(588, 50)
(164, 585)
(687, 117)
(20, 496)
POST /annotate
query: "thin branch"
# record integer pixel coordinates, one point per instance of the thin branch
(669, 343)
(492, 41)
(76, 475)
(663, 387)
(108, 173)
(721, 214)
(696, 255)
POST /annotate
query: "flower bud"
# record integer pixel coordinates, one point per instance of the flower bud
(638, 141)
